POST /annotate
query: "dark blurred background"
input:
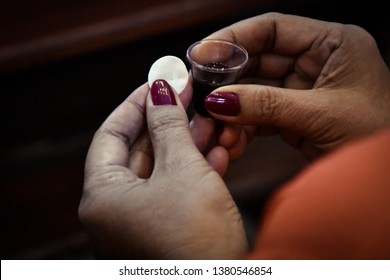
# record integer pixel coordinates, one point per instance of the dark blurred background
(66, 64)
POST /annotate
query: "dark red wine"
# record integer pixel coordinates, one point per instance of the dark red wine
(206, 81)
(201, 90)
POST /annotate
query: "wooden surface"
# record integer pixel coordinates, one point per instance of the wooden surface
(34, 32)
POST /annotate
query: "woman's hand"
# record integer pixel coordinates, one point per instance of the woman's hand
(317, 84)
(163, 201)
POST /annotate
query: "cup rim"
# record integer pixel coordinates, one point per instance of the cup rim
(210, 69)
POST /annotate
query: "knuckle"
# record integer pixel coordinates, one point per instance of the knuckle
(91, 209)
(168, 122)
(266, 104)
(92, 212)
(86, 212)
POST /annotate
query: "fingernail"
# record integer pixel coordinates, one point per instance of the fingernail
(162, 93)
(223, 103)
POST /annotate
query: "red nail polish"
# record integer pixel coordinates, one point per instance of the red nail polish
(162, 93)
(223, 103)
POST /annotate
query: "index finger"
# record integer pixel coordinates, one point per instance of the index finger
(274, 32)
(275, 41)
(110, 145)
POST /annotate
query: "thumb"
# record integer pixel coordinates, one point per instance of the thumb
(169, 127)
(294, 109)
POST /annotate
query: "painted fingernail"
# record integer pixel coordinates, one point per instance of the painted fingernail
(162, 93)
(223, 103)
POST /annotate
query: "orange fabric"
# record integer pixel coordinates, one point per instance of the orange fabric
(339, 208)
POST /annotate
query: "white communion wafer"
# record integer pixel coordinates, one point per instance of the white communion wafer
(171, 69)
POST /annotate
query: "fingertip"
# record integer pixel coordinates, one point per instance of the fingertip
(223, 103)
(227, 134)
(202, 131)
(238, 149)
(218, 158)
(162, 93)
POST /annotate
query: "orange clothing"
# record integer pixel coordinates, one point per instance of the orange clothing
(339, 208)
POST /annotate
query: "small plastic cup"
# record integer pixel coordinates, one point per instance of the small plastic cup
(214, 63)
